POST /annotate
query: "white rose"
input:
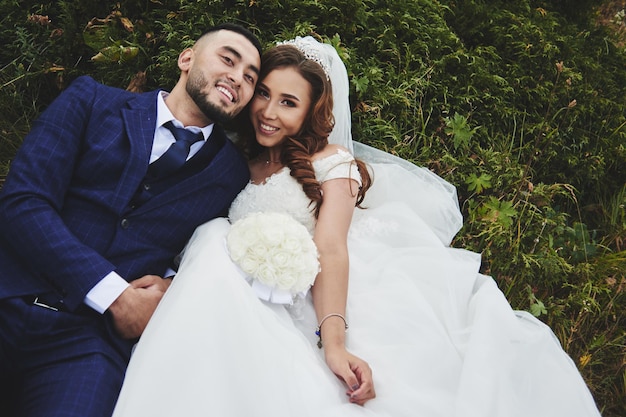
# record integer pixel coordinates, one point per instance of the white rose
(292, 244)
(249, 265)
(266, 274)
(287, 281)
(249, 235)
(283, 259)
(274, 233)
(259, 251)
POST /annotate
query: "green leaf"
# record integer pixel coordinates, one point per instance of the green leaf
(478, 184)
(538, 308)
(500, 212)
(459, 129)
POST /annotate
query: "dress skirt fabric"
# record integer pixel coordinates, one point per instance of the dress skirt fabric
(440, 337)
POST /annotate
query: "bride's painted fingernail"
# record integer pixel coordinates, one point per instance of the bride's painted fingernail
(355, 387)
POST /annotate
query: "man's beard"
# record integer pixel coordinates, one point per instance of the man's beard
(212, 111)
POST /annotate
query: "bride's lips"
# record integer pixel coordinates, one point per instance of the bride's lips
(266, 129)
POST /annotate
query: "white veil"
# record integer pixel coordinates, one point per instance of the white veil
(395, 179)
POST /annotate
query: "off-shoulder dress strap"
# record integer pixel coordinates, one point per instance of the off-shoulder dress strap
(337, 165)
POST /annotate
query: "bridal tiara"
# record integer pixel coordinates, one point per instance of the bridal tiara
(310, 48)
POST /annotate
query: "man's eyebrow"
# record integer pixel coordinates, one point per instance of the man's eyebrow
(238, 56)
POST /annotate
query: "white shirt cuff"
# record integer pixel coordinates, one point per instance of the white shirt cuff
(102, 295)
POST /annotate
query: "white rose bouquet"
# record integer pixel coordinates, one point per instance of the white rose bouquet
(276, 253)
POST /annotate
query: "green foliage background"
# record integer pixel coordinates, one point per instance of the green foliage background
(521, 105)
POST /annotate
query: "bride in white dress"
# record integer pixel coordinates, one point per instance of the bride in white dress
(428, 334)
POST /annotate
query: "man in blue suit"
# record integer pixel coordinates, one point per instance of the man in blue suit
(88, 228)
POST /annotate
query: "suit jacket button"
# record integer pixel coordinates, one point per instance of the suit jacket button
(146, 186)
(125, 223)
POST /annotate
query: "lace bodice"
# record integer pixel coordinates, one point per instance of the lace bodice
(282, 193)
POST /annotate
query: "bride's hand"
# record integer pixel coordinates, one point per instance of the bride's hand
(354, 371)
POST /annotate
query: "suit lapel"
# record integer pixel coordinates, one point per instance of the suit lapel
(139, 120)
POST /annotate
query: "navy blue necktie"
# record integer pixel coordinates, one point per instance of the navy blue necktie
(177, 153)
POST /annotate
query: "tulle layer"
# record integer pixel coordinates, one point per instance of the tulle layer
(441, 338)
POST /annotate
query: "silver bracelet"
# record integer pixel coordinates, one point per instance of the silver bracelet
(318, 330)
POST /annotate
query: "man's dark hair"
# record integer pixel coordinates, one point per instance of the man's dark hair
(237, 29)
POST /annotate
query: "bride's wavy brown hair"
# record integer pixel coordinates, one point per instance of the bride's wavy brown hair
(313, 136)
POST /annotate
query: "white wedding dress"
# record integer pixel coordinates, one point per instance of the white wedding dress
(440, 338)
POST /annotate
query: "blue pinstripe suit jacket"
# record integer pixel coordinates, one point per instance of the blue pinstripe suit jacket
(65, 218)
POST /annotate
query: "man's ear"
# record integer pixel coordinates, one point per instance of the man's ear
(185, 59)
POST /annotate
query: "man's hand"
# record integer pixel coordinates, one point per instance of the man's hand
(134, 307)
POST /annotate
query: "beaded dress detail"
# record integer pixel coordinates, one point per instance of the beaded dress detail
(283, 194)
